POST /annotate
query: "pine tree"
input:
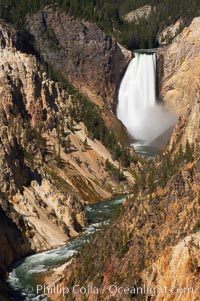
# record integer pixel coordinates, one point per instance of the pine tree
(188, 152)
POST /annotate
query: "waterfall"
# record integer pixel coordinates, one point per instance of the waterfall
(137, 108)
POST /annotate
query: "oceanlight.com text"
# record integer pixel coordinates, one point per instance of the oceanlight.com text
(109, 289)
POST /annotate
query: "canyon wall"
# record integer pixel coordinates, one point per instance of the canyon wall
(182, 69)
(27, 101)
(14, 243)
(155, 243)
(51, 165)
(180, 83)
(80, 51)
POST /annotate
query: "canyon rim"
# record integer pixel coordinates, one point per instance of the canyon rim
(99, 150)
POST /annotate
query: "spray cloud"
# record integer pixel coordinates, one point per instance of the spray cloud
(137, 108)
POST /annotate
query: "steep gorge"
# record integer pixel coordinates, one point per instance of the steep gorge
(155, 242)
(51, 165)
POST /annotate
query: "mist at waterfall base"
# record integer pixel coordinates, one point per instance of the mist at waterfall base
(146, 121)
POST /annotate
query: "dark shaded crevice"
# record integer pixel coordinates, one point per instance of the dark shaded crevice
(159, 74)
(118, 83)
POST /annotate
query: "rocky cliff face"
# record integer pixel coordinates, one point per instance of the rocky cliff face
(139, 13)
(169, 32)
(155, 245)
(182, 69)
(187, 128)
(14, 242)
(152, 251)
(24, 103)
(80, 51)
(179, 89)
(50, 165)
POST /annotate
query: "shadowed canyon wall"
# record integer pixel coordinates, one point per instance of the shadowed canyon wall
(80, 51)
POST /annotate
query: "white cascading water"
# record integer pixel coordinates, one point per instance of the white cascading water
(137, 108)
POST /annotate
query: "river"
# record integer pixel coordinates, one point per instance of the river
(146, 151)
(26, 274)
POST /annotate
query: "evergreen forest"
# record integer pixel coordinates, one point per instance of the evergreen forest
(109, 16)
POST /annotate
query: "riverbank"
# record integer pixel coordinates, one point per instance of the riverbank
(30, 272)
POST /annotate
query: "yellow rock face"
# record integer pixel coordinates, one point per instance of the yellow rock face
(180, 83)
(182, 69)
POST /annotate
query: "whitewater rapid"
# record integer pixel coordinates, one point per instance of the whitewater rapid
(30, 272)
(138, 109)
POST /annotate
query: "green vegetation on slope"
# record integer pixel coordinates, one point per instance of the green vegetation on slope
(108, 15)
(108, 248)
(84, 110)
(162, 169)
